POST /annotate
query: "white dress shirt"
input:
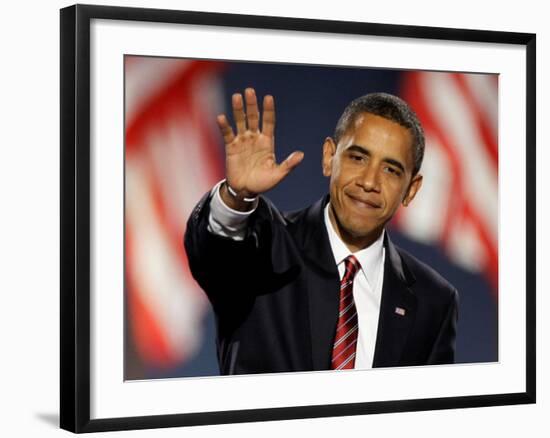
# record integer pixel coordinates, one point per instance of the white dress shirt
(367, 285)
(367, 289)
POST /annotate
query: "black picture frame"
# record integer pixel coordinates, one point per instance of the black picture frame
(75, 216)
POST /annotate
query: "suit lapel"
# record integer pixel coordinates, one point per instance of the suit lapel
(397, 309)
(323, 285)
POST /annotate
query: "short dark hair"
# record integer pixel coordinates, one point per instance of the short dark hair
(390, 107)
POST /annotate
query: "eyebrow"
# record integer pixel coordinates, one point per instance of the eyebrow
(365, 151)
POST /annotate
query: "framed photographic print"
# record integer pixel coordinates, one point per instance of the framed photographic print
(153, 335)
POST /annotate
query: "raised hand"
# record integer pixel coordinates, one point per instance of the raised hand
(250, 164)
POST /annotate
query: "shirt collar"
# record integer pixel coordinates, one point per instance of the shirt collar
(369, 257)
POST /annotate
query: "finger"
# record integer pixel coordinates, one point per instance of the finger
(252, 114)
(290, 163)
(225, 129)
(268, 121)
(238, 112)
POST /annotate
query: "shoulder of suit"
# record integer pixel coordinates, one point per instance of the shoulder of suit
(267, 209)
(427, 278)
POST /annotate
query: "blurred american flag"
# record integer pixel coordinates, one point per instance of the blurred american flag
(458, 209)
(173, 157)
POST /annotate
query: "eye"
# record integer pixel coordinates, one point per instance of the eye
(392, 171)
(356, 157)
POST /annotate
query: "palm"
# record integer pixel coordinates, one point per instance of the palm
(251, 166)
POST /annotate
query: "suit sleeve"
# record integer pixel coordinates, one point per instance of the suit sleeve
(221, 265)
(443, 350)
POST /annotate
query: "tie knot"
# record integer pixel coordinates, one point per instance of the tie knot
(352, 265)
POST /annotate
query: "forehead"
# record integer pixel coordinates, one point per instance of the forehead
(377, 133)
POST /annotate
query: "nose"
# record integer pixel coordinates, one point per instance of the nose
(369, 178)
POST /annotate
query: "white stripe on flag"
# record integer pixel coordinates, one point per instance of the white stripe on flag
(145, 77)
(452, 113)
(162, 284)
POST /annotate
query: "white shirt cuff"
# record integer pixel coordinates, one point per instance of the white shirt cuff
(224, 221)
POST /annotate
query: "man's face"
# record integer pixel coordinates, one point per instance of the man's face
(370, 174)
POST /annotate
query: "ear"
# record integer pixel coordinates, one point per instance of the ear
(413, 189)
(329, 149)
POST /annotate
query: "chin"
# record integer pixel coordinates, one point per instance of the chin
(360, 231)
(357, 227)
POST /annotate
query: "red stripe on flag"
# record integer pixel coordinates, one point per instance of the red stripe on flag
(459, 204)
(485, 130)
(169, 99)
(412, 93)
(150, 341)
(160, 211)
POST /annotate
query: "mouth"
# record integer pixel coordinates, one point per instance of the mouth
(362, 202)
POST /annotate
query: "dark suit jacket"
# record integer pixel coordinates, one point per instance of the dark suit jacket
(275, 295)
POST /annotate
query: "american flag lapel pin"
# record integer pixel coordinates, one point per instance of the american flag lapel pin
(400, 311)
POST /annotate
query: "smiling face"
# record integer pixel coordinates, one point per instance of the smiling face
(370, 174)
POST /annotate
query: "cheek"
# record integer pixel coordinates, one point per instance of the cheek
(344, 174)
(335, 177)
(396, 194)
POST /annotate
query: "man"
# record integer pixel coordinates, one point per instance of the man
(322, 288)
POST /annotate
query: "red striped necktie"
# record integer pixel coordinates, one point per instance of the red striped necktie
(345, 341)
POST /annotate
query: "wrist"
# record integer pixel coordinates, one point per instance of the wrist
(240, 196)
(236, 201)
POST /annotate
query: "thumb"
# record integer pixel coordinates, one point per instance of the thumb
(291, 161)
